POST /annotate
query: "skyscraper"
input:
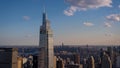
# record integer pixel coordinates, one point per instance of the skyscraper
(106, 62)
(35, 61)
(59, 63)
(20, 62)
(76, 58)
(91, 62)
(46, 55)
(8, 57)
(111, 54)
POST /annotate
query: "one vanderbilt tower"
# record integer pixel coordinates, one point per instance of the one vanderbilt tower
(46, 54)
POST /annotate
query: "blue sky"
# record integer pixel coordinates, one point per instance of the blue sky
(77, 22)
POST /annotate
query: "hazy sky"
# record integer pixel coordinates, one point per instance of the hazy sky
(73, 21)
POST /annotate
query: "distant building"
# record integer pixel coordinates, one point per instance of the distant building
(35, 61)
(101, 52)
(20, 62)
(30, 61)
(60, 63)
(76, 58)
(91, 62)
(111, 54)
(118, 62)
(28, 64)
(106, 62)
(25, 62)
(85, 63)
(68, 61)
(98, 63)
(8, 58)
(74, 66)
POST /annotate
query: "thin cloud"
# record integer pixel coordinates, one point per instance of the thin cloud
(108, 34)
(88, 24)
(113, 17)
(108, 24)
(78, 5)
(118, 6)
(26, 18)
(70, 11)
(28, 36)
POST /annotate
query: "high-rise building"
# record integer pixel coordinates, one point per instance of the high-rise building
(111, 53)
(118, 62)
(85, 63)
(20, 62)
(106, 62)
(35, 61)
(25, 60)
(46, 55)
(76, 58)
(8, 57)
(68, 60)
(91, 62)
(59, 63)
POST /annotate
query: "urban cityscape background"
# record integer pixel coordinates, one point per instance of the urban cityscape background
(65, 56)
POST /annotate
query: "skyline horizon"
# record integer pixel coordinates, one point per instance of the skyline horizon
(58, 45)
(73, 22)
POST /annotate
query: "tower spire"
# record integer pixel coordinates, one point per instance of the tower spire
(44, 14)
(44, 10)
(46, 54)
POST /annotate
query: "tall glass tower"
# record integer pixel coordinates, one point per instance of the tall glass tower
(46, 54)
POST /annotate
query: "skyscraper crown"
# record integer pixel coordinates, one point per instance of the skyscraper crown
(44, 17)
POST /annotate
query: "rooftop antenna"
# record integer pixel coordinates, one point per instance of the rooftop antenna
(43, 7)
(44, 10)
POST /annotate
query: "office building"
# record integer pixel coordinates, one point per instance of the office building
(8, 58)
(46, 55)
(35, 61)
(60, 63)
(20, 62)
(76, 58)
(106, 62)
(91, 62)
(118, 62)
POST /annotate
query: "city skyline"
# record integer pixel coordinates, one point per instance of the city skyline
(77, 22)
